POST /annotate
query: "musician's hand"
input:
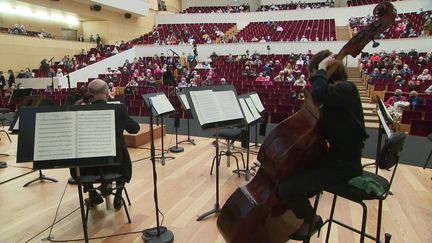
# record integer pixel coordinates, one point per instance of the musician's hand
(327, 62)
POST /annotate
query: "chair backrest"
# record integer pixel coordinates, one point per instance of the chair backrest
(389, 154)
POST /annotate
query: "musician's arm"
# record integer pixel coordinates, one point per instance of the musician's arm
(328, 94)
(131, 126)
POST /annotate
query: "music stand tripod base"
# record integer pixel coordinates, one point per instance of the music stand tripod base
(41, 178)
(215, 210)
(163, 158)
(150, 236)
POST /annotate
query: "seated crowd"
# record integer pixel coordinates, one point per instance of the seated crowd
(406, 85)
(407, 25)
(296, 6)
(351, 3)
(21, 30)
(218, 9)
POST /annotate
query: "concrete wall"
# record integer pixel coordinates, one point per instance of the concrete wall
(20, 52)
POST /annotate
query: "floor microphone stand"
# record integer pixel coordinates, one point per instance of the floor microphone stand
(216, 208)
(189, 140)
(158, 234)
(162, 158)
(176, 148)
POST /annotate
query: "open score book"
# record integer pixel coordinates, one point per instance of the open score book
(74, 134)
(216, 108)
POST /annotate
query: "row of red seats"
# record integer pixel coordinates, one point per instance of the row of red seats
(292, 30)
(420, 122)
(193, 29)
(351, 3)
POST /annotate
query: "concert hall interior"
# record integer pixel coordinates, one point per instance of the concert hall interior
(234, 121)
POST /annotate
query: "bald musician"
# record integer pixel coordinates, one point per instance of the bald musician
(98, 91)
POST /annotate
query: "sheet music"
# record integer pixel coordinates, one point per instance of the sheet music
(257, 102)
(184, 101)
(114, 102)
(95, 133)
(161, 104)
(16, 126)
(206, 106)
(55, 136)
(228, 103)
(247, 114)
(253, 108)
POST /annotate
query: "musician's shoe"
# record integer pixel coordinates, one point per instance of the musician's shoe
(94, 199)
(118, 199)
(303, 232)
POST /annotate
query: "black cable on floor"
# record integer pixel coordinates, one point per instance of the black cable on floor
(16, 177)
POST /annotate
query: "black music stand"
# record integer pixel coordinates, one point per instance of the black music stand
(161, 107)
(183, 100)
(259, 106)
(252, 117)
(159, 234)
(26, 149)
(210, 95)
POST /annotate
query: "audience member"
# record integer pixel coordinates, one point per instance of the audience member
(424, 75)
(2, 81)
(415, 100)
(397, 97)
(11, 79)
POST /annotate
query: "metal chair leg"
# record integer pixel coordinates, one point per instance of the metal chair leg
(364, 221)
(378, 234)
(127, 196)
(427, 161)
(214, 159)
(126, 211)
(331, 218)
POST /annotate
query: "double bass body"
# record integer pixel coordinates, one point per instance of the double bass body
(252, 214)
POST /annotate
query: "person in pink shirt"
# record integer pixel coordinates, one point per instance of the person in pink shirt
(397, 97)
(260, 78)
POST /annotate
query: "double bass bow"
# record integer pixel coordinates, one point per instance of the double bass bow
(251, 214)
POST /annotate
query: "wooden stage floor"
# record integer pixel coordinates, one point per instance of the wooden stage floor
(185, 190)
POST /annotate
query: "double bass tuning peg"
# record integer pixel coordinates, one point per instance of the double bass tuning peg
(375, 44)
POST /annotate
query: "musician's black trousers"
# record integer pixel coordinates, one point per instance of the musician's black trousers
(295, 190)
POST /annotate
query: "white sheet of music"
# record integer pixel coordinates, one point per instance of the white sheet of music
(206, 106)
(247, 113)
(253, 108)
(229, 105)
(16, 127)
(95, 133)
(161, 104)
(184, 101)
(257, 102)
(55, 136)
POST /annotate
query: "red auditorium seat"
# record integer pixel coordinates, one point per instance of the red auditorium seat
(408, 116)
(421, 127)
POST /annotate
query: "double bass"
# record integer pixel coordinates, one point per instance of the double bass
(251, 214)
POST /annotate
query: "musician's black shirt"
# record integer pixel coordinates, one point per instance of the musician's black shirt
(341, 119)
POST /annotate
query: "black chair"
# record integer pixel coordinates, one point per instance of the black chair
(427, 161)
(105, 190)
(230, 135)
(387, 158)
(2, 120)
